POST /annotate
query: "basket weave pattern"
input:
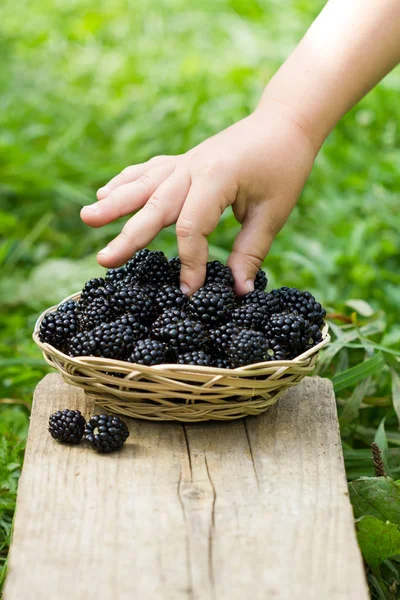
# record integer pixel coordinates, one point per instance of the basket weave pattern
(179, 392)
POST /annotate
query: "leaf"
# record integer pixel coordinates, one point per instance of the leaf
(352, 376)
(363, 308)
(396, 392)
(381, 439)
(378, 541)
(351, 409)
(377, 497)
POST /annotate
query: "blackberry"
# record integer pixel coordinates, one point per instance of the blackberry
(218, 274)
(110, 340)
(137, 259)
(296, 302)
(170, 297)
(115, 276)
(288, 333)
(184, 336)
(263, 300)
(105, 433)
(222, 362)
(59, 326)
(261, 281)
(68, 306)
(155, 270)
(248, 316)
(67, 426)
(196, 357)
(221, 336)
(167, 318)
(175, 266)
(248, 347)
(92, 289)
(99, 311)
(211, 304)
(133, 300)
(149, 352)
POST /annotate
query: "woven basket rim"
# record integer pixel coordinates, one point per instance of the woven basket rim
(116, 365)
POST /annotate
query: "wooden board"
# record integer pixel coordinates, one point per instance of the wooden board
(253, 509)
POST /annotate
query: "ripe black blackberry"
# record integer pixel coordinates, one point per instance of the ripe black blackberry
(222, 362)
(170, 297)
(99, 311)
(155, 270)
(297, 302)
(248, 347)
(137, 259)
(289, 333)
(221, 336)
(109, 340)
(175, 266)
(211, 304)
(196, 357)
(265, 301)
(218, 274)
(135, 301)
(105, 433)
(95, 288)
(67, 426)
(115, 276)
(68, 306)
(167, 317)
(184, 336)
(261, 281)
(248, 316)
(149, 352)
(58, 327)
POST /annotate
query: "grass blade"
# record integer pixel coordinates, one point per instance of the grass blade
(356, 374)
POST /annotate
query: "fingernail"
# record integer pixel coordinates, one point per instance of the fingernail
(103, 190)
(106, 250)
(93, 208)
(185, 289)
(250, 285)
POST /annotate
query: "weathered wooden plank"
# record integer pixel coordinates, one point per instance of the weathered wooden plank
(215, 511)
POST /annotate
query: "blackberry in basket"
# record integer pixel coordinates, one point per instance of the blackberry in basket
(169, 297)
(296, 302)
(59, 326)
(218, 274)
(289, 334)
(221, 337)
(149, 352)
(196, 357)
(261, 281)
(184, 336)
(211, 304)
(248, 347)
(99, 311)
(135, 301)
(105, 433)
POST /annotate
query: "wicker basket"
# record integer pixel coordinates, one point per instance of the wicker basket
(179, 392)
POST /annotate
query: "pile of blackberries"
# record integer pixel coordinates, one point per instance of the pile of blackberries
(137, 313)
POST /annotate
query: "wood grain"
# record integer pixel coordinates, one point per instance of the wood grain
(252, 509)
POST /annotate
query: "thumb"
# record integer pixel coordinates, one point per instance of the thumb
(251, 246)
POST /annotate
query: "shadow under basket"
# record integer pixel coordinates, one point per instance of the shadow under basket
(179, 392)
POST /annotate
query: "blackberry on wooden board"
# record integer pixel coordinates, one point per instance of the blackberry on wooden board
(149, 352)
(288, 333)
(218, 274)
(67, 426)
(195, 357)
(109, 340)
(58, 327)
(106, 433)
(211, 304)
(248, 347)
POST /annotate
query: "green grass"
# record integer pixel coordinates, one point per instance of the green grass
(88, 88)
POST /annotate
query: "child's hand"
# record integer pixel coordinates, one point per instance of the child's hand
(258, 166)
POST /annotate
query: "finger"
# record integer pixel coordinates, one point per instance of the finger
(161, 210)
(199, 217)
(126, 198)
(250, 248)
(131, 173)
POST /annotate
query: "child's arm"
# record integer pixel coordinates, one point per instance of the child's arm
(259, 165)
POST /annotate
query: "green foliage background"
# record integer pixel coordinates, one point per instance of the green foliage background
(89, 87)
